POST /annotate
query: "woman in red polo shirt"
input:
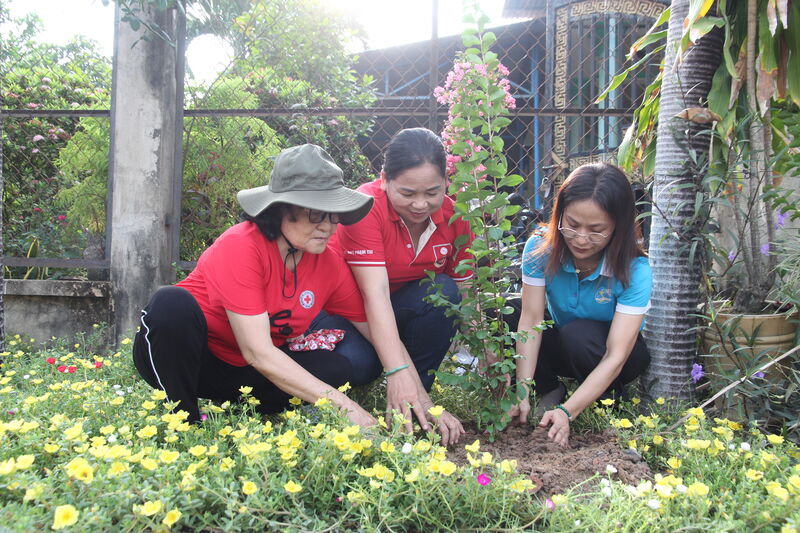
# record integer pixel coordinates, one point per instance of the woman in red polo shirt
(230, 323)
(407, 234)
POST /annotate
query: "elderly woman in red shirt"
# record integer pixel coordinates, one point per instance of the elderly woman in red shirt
(230, 323)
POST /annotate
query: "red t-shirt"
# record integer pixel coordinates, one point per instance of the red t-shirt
(243, 272)
(382, 239)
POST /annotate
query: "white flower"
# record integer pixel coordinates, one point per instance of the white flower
(117, 386)
(120, 393)
(406, 448)
(606, 491)
(111, 438)
(610, 469)
(746, 446)
(26, 376)
(577, 522)
(653, 504)
(605, 482)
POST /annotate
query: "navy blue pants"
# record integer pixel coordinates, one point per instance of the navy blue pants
(424, 329)
(575, 349)
(171, 353)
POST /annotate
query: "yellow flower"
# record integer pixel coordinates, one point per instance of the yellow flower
(559, 499)
(607, 401)
(660, 401)
(168, 456)
(624, 423)
(658, 440)
(774, 439)
(436, 411)
(634, 401)
(674, 463)
(422, 445)
(486, 458)
(508, 466)
(172, 516)
(158, 395)
(322, 401)
(117, 468)
(148, 405)
(698, 444)
(346, 387)
(412, 476)
(24, 461)
(447, 467)
(65, 515)
(245, 390)
(697, 489)
(248, 487)
(148, 463)
(696, 411)
(775, 489)
(146, 432)
(521, 485)
(387, 447)
(292, 487)
(355, 497)
(33, 493)
(198, 450)
(226, 464)
(474, 447)
(753, 475)
(295, 401)
(149, 508)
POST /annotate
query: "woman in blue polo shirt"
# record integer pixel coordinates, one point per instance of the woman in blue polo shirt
(590, 272)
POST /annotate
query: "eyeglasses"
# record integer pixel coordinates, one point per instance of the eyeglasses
(570, 234)
(316, 217)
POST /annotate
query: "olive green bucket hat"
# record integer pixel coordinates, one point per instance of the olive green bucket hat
(306, 176)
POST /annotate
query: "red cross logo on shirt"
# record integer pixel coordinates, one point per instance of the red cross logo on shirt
(307, 299)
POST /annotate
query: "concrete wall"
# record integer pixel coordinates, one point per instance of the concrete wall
(41, 309)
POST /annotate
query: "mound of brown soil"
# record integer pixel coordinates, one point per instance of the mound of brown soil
(555, 469)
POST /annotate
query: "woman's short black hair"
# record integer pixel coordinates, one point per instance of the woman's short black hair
(412, 147)
(269, 220)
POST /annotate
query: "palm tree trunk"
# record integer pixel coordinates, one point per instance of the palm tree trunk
(676, 278)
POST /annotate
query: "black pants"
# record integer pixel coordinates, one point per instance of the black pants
(575, 350)
(171, 353)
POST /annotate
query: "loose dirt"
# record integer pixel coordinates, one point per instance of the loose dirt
(555, 469)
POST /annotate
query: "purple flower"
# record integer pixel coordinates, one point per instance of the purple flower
(780, 219)
(765, 249)
(758, 375)
(732, 255)
(697, 372)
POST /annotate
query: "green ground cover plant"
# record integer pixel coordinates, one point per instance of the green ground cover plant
(86, 445)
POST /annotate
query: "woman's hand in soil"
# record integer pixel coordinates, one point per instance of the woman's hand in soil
(402, 396)
(450, 428)
(519, 413)
(559, 422)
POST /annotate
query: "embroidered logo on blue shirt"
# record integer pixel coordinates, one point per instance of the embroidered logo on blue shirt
(603, 295)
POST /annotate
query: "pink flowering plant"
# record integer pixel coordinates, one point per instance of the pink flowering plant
(478, 95)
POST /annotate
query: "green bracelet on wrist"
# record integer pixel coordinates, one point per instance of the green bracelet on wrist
(388, 373)
(569, 416)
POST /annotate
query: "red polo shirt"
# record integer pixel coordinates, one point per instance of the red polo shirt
(243, 272)
(382, 239)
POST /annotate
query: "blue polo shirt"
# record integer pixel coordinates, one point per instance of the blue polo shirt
(596, 297)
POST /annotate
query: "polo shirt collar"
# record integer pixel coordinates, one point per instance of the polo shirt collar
(603, 270)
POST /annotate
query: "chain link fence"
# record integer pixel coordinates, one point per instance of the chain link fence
(292, 80)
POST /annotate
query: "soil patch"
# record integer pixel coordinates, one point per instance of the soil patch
(555, 469)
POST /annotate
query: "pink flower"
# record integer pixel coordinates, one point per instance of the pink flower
(37, 138)
(98, 364)
(31, 105)
(483, 479)
(51, 360)
(550, 504)
(203, 417)
(62, 368)
(37, 209)
(61, 217)
(72, 369)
